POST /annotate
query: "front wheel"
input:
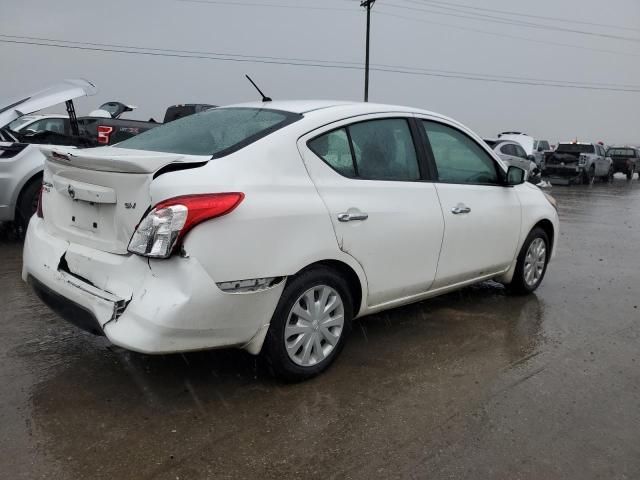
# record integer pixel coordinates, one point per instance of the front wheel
(310, 324)
(609, 177)
(27, 204)
(532, 262)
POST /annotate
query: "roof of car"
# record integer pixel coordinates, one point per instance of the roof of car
(306, 106)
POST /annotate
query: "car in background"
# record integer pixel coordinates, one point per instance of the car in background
(575, 162)
(512, 153)
(270, 226)
(536, 149)
(40, 123)
(625, 160)
(21, 161)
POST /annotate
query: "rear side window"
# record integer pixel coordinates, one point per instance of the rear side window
(371, 150)
(334, 149)
(216, 132)
(509, 149)
(520, 151)
(458, 158)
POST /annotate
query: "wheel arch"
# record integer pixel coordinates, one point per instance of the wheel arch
(34, 178)
(347, 272)
(547, 226)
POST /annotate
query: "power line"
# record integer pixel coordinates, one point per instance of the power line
(462, 76)
(506, 35)
(521, 14)
(505, 21)
(268, 5)
(221, 55)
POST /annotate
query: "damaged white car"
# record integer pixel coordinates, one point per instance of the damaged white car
(271, 226)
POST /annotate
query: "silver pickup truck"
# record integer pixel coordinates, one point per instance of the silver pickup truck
(578, 163)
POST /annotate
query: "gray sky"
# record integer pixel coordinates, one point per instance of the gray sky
(334, 32)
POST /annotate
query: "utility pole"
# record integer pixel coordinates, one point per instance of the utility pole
(367, 4)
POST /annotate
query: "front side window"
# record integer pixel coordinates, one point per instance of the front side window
(216, 132)
(371, 150)
(458, 158)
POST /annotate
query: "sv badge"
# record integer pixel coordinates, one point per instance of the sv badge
(130, 205)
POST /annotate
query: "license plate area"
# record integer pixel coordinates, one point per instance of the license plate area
(85, 216)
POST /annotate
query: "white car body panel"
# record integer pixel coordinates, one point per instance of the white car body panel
(286, 222)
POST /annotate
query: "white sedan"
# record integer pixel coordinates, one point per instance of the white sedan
(271, 226)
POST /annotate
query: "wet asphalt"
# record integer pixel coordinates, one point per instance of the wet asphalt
(473, 385)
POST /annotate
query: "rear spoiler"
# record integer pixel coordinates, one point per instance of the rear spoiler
(110, 159)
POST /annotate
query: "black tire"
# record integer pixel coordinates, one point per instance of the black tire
(609, 177)
(589, 175)
(274, 350)
(630, 173)
(518, 284)
(27, 204)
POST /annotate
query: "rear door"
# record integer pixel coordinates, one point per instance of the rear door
(384, 209)
(482, 217)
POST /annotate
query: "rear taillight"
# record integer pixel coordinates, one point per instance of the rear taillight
(162, 229)
(104, 134)
(39, 211)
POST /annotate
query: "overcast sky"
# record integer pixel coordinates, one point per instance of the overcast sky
(452, 39)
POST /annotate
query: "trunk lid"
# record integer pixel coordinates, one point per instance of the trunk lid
(59, 93)
(97, 197)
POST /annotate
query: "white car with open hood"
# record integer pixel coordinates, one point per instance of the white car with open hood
(271, 226)
(21, 161)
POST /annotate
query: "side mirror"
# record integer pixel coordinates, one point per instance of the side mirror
(540, 149)
(531, 158)
(515, 176)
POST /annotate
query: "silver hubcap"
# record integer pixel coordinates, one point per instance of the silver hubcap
(534, 262)
(314, 325)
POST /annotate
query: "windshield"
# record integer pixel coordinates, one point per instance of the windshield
(491, 143)
(20, 122)
(575, 148)
(216, 132)
(621, 152)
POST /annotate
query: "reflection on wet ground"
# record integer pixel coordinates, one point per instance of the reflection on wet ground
(476, 384)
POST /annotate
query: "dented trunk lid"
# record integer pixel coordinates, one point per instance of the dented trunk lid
(97, 197)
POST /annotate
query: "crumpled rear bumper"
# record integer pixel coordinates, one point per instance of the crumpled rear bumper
(157, 306)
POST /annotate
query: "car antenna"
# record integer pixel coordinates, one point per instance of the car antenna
(264, 97)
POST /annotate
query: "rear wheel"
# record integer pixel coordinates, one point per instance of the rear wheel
(532, 262)
(589, 175)
(27, 204)
(630, 172)
(310, 324)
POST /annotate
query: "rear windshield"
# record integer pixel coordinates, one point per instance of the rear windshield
(621, 152)
(216, 132)
(575, 148)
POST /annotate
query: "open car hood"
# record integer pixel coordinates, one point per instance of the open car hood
(58, 93)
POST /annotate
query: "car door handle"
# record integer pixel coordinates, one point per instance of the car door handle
(460, 209)
(352, 215)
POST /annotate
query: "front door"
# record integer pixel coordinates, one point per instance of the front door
(384, 211)
(482, 217)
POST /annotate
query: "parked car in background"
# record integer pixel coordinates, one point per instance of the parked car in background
(575, 162)
(512, 153)
(625, 160)
(536, 149)
(21, 161)
(270, 226)
(30, 124)
(179, 111)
